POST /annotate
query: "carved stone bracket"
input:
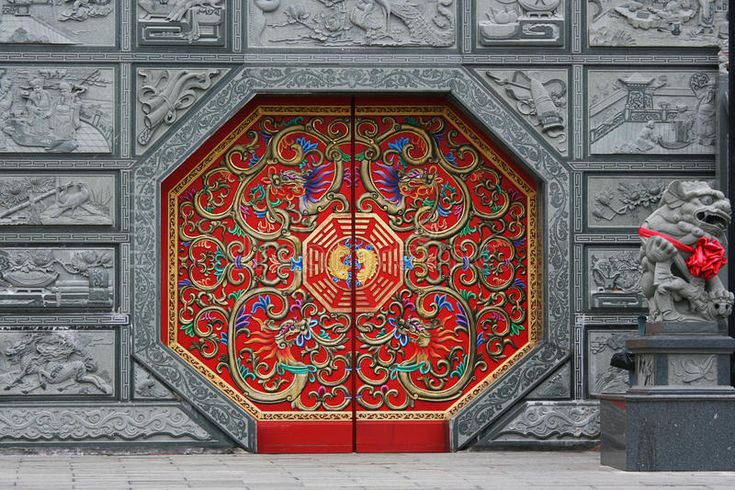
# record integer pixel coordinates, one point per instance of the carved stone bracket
(541, 97)
(164, 95)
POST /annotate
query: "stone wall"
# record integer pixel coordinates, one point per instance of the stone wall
(606, 102)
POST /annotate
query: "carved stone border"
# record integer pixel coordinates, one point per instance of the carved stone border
(225, 100)
(24, 423)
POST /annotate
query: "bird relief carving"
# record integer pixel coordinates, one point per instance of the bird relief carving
(335, 23)
(56, 200)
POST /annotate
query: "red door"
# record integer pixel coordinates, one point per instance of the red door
(350, 272)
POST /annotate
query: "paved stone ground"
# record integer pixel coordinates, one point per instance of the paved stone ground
(473, 470)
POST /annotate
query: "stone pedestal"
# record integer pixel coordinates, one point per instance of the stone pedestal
(679, 414)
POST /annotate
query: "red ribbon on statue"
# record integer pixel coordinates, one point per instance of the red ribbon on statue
(707, 256)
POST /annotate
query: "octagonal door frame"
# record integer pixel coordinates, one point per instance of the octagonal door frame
(470, 419)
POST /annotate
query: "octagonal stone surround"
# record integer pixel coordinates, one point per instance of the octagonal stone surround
(470, 94)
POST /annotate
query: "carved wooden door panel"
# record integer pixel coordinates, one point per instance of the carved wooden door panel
(351, 273)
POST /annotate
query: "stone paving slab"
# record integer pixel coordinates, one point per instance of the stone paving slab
(457, 471)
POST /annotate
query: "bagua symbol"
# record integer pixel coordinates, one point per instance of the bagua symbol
(339, 263)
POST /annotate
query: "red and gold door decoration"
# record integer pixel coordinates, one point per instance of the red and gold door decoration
(351, 273)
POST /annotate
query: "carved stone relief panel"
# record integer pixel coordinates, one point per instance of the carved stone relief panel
(164, 95)
(520, 22)
(147, 387)
(40, 278)
(62, 22)
(557, 386)
(188, 22)
(692, 370)
(645, 369)
(651, 112)
(56, 110)
(58, 362)
(624, 202)
(613, 276)
(549, 422)
(601, 376)
(688, 23)
(351, 23)
(105, 423)
(57, 199)
(540, 96)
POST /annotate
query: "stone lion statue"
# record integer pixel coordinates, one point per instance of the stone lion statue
(682, 253)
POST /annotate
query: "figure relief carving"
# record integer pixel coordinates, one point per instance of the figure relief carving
(615, 276)
(44, 199)
(56, 110)
(603, 378)
(676, 23)
(57, 363)
(164, 95)
(520, 22)
(682, 253)
(336, 23)
(541, 97)
(56, 278)
(657, 113)
(65, 22)
(181, 22)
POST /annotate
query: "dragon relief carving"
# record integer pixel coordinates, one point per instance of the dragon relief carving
(682, 253)
(56, 362)
(353, 23)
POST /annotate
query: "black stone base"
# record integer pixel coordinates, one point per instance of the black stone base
(668, 433)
